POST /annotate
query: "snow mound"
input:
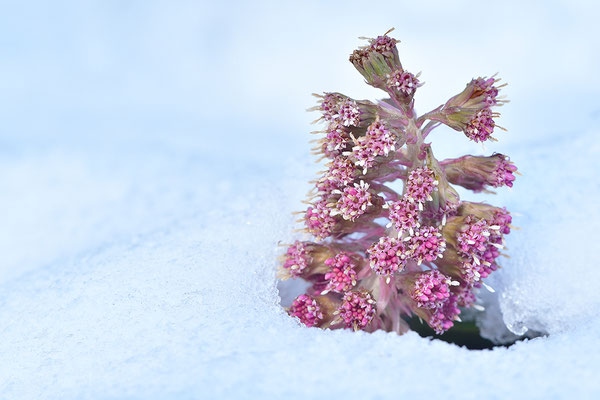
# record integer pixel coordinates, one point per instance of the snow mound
(548, 285)
(145, 276)
(151, 154)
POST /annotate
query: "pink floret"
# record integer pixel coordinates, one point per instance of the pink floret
(307, 310)
(426, 244)
(387, 256)
(489, 90)
(355, 201)
(404, 82)
(472, 241)
(404, 215)
(341, 172)
(383, 44)
(348, 113)
(330, 105)
(443, 317)
(342, 275)
(504, 172)
(420, 184)
(481, 127)
(357, 309)
(431, 289)
(296, 259)
(318, 220)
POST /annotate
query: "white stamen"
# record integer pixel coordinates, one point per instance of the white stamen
(488, 287)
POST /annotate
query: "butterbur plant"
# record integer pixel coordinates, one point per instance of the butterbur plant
(381, 256)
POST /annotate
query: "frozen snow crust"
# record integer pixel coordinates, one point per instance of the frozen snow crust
(145, 274)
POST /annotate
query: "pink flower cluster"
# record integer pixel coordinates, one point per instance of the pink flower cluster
(296, 259)
(431, 289)
(386, 252)
(480, 128)
(387, 256)
(404, 215)
(307, 310)
(377, 141)
(426, 244)
(342, 275)
(420, 184)
(404, 82)
(480, 173)
(357, 310)
(442, 318)
(354, 201)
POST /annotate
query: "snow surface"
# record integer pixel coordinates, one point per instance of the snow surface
(141, 216)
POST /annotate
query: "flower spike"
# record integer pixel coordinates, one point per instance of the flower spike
(392, 237)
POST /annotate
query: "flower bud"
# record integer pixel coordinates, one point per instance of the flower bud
(377, 61)
(335, 107)
(316, 311)
(307, 310)
(303, 259)
(477, 124)
(477, 173)
(479, 93)
(342, 212)
(470, 111)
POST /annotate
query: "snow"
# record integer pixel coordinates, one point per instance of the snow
(142, 204)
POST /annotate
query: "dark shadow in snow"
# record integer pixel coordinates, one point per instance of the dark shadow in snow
(463, 334)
